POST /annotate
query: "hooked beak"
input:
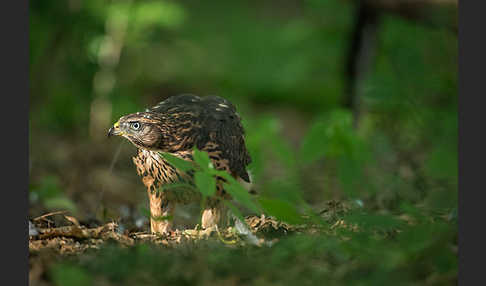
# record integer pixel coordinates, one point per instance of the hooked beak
(115, 130)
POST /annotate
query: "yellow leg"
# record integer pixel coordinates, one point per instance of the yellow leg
(213, 214)
(161, 212)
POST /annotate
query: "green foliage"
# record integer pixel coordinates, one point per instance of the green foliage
(280, 209)
(238, 192)
(371, 221)
(177, 162)
(64, 275)
(51, 195)
(259, 133)
(205, 178)
(157, 14)
(333, 137)
(60, 203)
(410, 258)
(400, 164)
(169, 43)
(205, 183)
(202, 160)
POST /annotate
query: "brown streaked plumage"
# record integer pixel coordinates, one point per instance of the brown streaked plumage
(177, 125)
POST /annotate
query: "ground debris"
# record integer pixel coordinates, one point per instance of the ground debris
(269, 226)
(66, 234)
(75, 238)
(78, 237)
(77, 231)
(334, 210)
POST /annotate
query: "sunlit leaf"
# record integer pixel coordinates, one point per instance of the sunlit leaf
(202, 159)
(177, 162)
(158, 13)
(205, 182)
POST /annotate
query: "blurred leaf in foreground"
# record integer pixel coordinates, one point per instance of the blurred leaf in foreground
(282, 210)
(70, 275)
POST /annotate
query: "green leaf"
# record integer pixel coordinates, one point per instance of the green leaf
(314, 143)
(282, 149)
(155, 13)
(60, 202)
(202, 159)
(280, 209)
(161, 217)
(177, 162)
(70, 275)
(48, 188)
(238, 192)
(374, 221)
(205, 182)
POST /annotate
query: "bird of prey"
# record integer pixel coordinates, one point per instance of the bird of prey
(177, 125)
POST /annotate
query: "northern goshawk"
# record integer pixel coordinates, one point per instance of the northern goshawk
(177, 125)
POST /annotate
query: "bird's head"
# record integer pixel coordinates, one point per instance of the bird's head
(143, 129)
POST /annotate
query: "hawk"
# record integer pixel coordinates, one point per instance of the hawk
(177, 125)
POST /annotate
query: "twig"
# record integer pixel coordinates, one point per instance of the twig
(49, 214)
(223, 240)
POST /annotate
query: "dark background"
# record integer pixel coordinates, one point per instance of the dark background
(344, 100)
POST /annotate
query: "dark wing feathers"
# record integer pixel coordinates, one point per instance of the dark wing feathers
(183, 102)
(220, 124)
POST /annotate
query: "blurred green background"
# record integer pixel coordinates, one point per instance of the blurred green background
(284, 64)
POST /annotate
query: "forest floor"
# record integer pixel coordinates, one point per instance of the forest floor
(264, 251)
(56, 238)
